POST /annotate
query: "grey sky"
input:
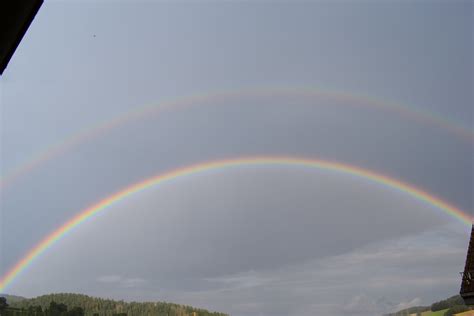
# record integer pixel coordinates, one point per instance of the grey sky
(264, 231)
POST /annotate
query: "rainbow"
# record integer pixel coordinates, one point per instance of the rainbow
(148, 110)
(338, 167)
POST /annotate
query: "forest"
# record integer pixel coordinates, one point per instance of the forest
(448, 307)
(69, 304)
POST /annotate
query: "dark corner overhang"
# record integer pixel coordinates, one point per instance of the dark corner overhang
(15, 18)
(467, 284)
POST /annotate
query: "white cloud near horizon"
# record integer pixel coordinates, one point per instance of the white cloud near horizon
(231, 264)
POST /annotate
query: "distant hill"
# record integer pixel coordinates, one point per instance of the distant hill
(410, 310)
(107, 307)
(13, 298)
(447, 307)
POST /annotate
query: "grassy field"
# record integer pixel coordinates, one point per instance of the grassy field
(469, 313)
(441, 313)
(437, 313)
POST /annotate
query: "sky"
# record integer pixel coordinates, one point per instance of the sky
(313, 79)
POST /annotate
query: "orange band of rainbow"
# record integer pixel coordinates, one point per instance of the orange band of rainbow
(148, 110)
(375, 177)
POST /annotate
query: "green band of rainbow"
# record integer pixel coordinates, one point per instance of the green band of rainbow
(145, 111)
(375, 177)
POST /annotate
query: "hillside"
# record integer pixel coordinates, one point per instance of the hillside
(107, 307)
(12, 298)
(448, 307)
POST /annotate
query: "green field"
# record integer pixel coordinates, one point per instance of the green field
(437, 313)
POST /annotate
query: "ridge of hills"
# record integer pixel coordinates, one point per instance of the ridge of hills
(453, 305)
(93, 306)
(12, 298)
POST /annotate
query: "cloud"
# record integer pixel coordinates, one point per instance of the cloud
(122, 281)
(280, 242)
(263, 240)
(362, 304)
(240, 281)
(133, 282)
(109, 278)
(403, 305)
(375, 279)
(365, 305)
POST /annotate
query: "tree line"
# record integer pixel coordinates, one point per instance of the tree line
(452, 306)
(68, 304)
(54, 309)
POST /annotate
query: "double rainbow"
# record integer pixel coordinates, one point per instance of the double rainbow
(338, 167)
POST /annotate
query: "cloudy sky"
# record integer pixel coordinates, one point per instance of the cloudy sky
(386, 86)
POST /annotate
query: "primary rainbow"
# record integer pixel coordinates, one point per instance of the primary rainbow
(148, 110)
(89, 212)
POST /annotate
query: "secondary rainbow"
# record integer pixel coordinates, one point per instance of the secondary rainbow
(148, 110)
(89, 212)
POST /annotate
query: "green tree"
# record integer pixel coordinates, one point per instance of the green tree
(76, 311)
(35, 311)
(3, 305)
(447, 303)
(56, 309)
(457, 309)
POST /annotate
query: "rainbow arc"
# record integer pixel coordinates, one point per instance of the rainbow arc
(145, 111)
(90, 212)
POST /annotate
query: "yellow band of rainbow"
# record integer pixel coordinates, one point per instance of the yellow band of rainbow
(145, 111)
(89, 212)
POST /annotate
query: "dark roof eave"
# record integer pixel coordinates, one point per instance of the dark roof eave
(15, 18)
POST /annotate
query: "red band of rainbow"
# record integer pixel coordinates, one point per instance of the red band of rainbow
(89, 212)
